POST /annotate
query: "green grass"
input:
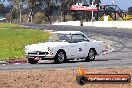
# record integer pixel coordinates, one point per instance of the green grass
(13, 39)
(7, 25)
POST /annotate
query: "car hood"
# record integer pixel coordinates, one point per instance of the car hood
(44, 46)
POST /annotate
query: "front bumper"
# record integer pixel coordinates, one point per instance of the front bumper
(41, 57)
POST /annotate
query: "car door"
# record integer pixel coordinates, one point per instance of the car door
(86, 45)
(77, 40)
(72, 50)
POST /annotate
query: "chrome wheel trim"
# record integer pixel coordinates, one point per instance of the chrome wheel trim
(61, 56)
(91, 55)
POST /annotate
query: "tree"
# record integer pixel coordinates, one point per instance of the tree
(16, 5)
(97, 2)
(46, 7)
(65, 5)
(48, 11)
(31, 4)
(19, 4)
(129, 10)
(1, 8)
(11, 4)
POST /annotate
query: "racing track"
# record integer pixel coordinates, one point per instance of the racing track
(119, 39)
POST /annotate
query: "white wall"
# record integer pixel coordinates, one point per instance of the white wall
(118, 24)
(72, 23)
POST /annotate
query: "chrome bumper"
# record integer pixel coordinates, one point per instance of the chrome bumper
(40, 56)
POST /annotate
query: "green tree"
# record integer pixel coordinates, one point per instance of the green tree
(16, 8)
(65, 6)
(1, 7)
(31, 4)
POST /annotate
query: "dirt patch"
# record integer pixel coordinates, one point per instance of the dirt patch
(56, 79)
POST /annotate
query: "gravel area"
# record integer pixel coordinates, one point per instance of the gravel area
(56, 79)
(114, 42)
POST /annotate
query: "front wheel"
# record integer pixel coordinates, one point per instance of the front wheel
(32, 61)
(91, 55)
(60, 57)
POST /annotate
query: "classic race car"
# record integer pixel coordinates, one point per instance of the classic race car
(64, 46)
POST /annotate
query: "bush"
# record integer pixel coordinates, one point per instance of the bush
(67, 18)
(8, 17)
(39, 18)
(24, 18)
(55, 18)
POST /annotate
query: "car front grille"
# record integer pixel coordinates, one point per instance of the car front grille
(38, 53)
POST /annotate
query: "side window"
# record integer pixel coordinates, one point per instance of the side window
(77, 38)
(63, 37)
(85, 39)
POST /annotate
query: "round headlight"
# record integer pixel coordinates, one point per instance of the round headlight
(25, 49)
(49, 49)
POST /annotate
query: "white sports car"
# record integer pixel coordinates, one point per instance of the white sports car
(64, 46)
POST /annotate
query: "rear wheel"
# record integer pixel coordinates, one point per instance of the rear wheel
(91, 55)
(60, 57)
(32, 61)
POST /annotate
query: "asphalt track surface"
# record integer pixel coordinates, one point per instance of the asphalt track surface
(119, 39)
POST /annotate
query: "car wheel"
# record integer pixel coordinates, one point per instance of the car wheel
(32, 61)
(60, 57)
(81, 80)
(91, 55)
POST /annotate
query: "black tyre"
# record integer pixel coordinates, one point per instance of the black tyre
(91, 55)
(60, 57)
(32, 61)
(66, 61)
(81, 80)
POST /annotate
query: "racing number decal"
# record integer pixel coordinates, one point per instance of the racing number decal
(80, 49)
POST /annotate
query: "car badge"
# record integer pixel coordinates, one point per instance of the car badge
(37, 53)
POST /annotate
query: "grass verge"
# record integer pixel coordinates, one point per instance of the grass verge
(13, 39)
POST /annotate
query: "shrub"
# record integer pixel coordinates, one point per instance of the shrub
(39, 18)
(8, 17)
(24, 18)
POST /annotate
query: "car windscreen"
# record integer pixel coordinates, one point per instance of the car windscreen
(56, 37)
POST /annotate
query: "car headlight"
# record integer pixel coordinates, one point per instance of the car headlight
(25, 49)
(49, 48)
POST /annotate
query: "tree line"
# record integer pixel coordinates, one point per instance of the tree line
(16, 9)
(38, 10)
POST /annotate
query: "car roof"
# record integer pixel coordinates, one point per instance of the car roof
(69, 32)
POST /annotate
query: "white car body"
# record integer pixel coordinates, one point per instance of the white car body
(77, 49)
